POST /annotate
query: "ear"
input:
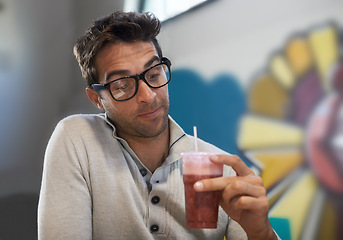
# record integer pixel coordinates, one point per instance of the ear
(94, 97)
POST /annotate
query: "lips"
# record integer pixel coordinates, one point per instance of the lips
(150, 114)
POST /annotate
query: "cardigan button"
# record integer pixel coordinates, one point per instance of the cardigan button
(155, 199)
(143, 172)
(154, 228)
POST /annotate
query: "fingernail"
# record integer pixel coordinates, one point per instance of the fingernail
(198, 186)
(214, 157)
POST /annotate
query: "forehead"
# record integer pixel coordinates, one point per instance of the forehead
(124, 57)
(122, 54)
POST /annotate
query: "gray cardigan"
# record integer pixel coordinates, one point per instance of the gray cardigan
(95, 187)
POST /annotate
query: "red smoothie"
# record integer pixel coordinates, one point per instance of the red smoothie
(201, 207)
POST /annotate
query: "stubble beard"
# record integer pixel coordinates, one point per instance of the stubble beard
(143, 129)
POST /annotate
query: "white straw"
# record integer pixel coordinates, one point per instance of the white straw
(195, 138)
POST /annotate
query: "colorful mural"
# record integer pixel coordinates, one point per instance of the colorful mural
(287, 126)
(292, 133)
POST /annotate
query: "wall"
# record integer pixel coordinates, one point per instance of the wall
(41, 83)
(238, 36)
(233, 79)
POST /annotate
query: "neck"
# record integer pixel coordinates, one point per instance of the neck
(151, 151)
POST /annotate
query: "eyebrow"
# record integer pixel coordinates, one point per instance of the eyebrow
(126, 72)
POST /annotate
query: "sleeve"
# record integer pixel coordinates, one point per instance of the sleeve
(65, 206)
(235, 231)
(277, 235)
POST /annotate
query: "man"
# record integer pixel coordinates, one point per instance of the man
(117, 175)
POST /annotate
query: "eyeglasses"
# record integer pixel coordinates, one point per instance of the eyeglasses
(125, 88)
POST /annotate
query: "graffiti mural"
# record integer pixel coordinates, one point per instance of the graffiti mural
(293, 134)
(287, 126)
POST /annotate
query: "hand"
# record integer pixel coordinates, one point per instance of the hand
(243, 197)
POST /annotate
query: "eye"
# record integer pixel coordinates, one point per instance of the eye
(152, 77)
(121, 84)
(154, 74)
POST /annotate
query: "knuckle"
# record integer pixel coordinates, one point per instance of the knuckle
(265, 205)
(236, 185)
(252, 173)
(206, 183)
(209, 183)
(236, 203)
(259, 180)
(263, 191)
(235, 159)
(241, 201)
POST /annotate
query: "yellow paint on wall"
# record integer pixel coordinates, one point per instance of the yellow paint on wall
(278, 164)
(324, 45)
(327, 227)
(299, 56)
(296, 203)
(268, 97)
(257, 132)
(282, 72)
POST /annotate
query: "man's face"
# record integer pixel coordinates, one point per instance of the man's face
(146, 114)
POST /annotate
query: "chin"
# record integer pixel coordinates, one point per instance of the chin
(155, 129)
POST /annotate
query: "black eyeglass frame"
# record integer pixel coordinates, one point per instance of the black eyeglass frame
(98, 87)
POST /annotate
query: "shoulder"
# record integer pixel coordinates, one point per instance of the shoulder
(81, 124)
(79, 121)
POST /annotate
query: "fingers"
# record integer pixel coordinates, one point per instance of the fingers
(257, 205)
(240, 188)
(244, 191)
(238, 192)
(219, 184)
(235, 162)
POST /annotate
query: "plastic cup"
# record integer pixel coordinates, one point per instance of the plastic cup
(201, 207)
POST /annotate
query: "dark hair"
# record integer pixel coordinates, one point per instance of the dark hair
(116, 27)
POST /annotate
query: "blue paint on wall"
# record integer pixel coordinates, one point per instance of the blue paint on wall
(282, 227)
(215, 107)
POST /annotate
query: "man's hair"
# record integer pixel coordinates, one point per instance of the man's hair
(117, 27)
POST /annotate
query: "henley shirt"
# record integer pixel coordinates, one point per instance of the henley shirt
(95, 187)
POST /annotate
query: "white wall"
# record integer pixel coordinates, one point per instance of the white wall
(235, 35)
(36, 46)
(40, 81)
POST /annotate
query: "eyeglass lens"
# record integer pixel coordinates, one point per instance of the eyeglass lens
(125, 88)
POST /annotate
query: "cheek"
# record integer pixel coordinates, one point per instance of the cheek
(109, 104)
(106, 100)
(163, 93)
(120, 109)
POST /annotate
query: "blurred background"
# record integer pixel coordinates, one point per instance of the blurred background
(261, 79)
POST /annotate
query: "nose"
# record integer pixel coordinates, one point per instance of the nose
(145, 93)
